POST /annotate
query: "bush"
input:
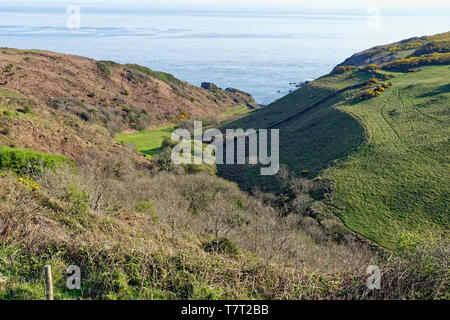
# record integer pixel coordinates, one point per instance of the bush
(125, 92)
(223, 245)
(343, 69)
(28, 161)
(146, 207)
(434, 46)
(104, 67)
(168, 143)
(164, 160)
(6, 131)
(407, 64)
(26, 109)
(9, 68)
(368, 94)
(78, 199)
(196, 168)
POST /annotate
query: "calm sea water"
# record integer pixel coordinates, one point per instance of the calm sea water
(261, 53)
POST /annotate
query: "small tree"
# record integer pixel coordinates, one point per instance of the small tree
(219, 218)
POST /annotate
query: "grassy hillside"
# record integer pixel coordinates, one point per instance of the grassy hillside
(86, 102)
(383, 146)
(399, 180)
(372, 153)
(150, 142)
(147, 142)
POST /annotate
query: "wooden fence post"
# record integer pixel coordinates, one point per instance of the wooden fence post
(48, 282)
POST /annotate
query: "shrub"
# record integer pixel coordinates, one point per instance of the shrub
(6, 131)
(168, 143)
(146, 207)
(9, 68)
(407, 64)
(104, 67)
(343, 69)
(373, 80)
(125, 92)
(26, 109)
(405, 46)
(368, 94)
(223, 245)
(196, 168)
(28, 161)
(78, 199)
(164, 160)
(373, 67)
(434, 46)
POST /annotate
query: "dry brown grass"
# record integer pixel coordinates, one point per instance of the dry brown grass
(161, 255)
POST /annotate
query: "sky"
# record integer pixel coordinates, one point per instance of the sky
(243, 4)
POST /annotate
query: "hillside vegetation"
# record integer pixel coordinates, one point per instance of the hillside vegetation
(72, 103)
(140, 228)
(378, 137)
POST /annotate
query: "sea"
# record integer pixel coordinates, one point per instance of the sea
(265, 53)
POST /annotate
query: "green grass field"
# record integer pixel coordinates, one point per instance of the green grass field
(399, 180)
(148, 142)
(388, 156)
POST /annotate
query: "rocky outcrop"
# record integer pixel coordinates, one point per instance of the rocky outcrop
(239, 97)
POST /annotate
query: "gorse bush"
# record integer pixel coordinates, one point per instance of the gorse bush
(373, 67)
(405, 46)
(344, 69)
(434, 46)
(28, 161)
(424, 60)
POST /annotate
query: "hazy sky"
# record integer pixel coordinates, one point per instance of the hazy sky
(428, 4)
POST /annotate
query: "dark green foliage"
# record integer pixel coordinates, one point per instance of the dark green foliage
(28, 161)
(105, 67)
(6, 131)
(168, 143)
(223, 245)
(164, 160)
(26, 109)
